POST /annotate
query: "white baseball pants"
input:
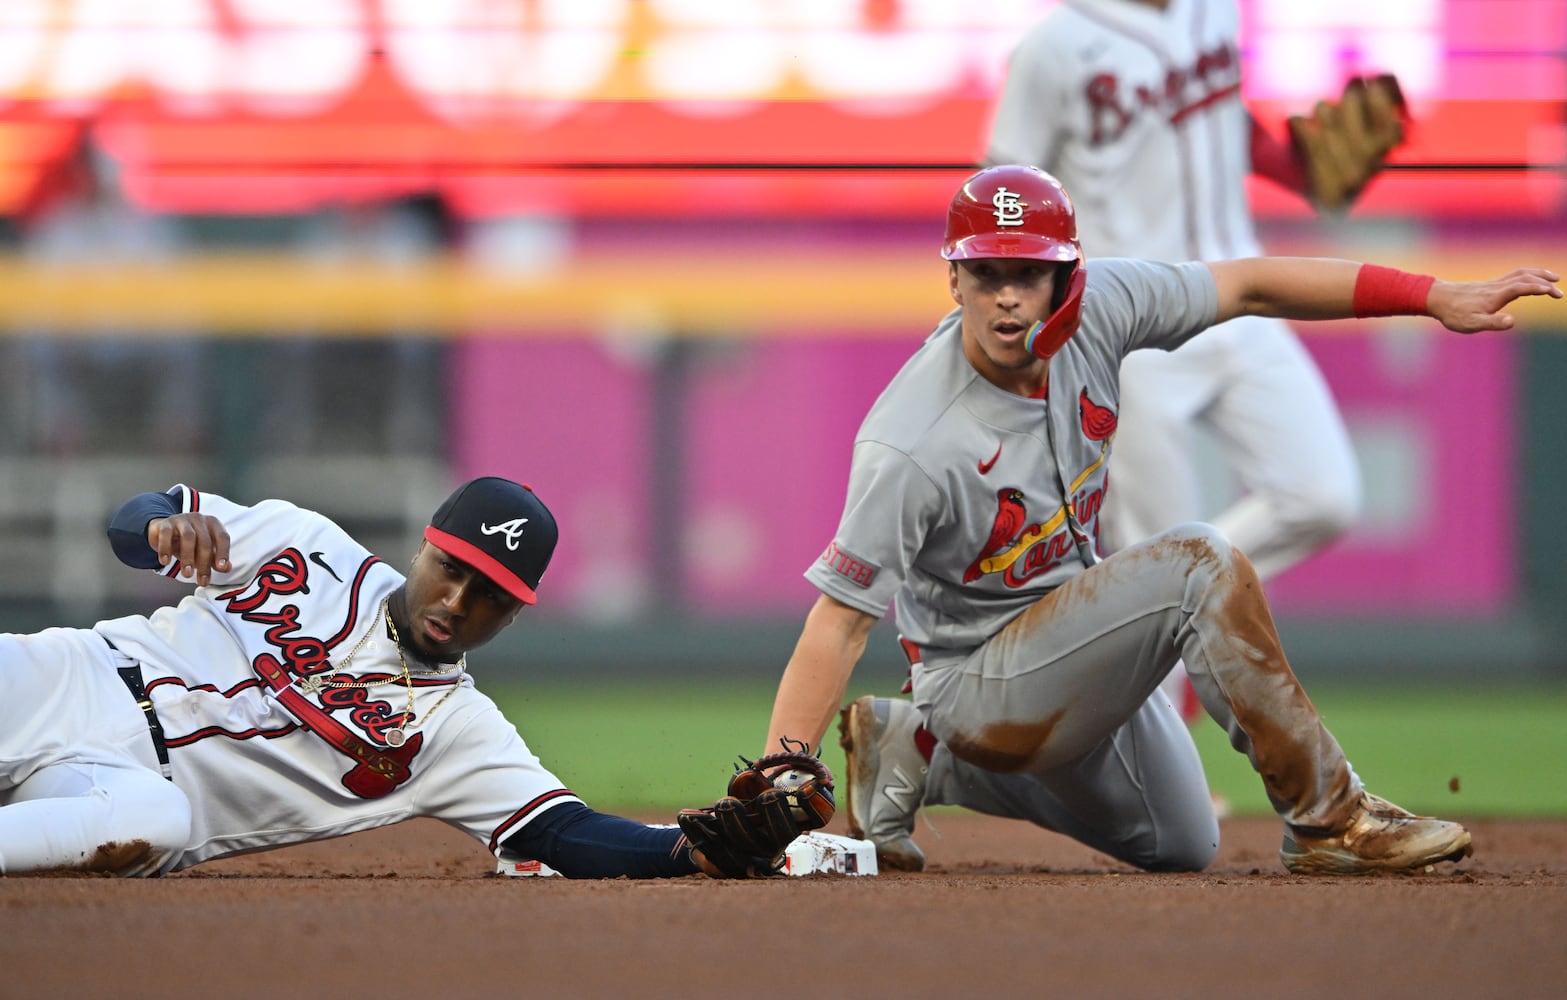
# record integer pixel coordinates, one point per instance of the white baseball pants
(80, 786)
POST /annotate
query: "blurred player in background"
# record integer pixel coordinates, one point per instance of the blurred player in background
(1135, 105)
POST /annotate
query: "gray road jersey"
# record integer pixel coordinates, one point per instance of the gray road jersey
(955, 503)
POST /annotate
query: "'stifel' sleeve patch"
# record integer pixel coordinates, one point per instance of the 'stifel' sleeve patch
(852, 568)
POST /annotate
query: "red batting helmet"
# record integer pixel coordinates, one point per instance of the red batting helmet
(1022, 212)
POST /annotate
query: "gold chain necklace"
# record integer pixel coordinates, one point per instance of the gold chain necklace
(396, 736)
(313, 685)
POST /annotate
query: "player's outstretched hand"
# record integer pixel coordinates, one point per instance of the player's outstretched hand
(198, 541)
(1472, 306)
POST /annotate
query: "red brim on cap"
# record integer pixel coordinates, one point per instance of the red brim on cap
(483, 562)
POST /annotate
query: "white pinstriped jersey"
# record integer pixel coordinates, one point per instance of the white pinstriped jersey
(1137, 111)
(955, 491)
(222, 665)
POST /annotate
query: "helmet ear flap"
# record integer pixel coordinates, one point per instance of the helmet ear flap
(1046, 337)
(1063, 286)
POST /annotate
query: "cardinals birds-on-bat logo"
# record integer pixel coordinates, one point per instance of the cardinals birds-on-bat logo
(1015, 546)
(1010, 517)
(1099, 422)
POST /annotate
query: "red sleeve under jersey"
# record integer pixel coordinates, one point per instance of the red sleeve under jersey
(1276, 160)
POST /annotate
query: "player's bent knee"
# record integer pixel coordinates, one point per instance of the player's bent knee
(1195, 545)
(1202, 558)
(1192, 857)
(1186, 845)
(145, 829)
(1175, 850)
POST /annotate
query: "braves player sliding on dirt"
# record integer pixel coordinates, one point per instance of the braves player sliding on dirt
(1135, 106)
(973, 499)
(305, 690)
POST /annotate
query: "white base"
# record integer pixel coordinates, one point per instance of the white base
(810, 854)
(814, 853)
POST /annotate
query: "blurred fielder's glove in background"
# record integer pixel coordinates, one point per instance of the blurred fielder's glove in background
(1342, 145)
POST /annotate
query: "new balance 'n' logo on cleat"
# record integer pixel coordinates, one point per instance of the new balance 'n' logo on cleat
(886, 777)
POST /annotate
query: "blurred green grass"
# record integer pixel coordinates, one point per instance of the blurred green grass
(1466, 751)
(650, 748)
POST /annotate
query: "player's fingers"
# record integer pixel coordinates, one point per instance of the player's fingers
(188, 545)
(1492, 321)
(220, 548)
(161, 537)
(1526, 282)
(212, 546)
(1477, 306)
(1545, 281)
(1540, 272)
(1477, 323)
(204, 556)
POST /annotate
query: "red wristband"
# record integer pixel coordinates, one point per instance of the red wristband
(1387, 291)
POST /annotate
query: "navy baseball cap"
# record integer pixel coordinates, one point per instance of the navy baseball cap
(501, 529)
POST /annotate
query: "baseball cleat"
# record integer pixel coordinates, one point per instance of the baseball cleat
(1381, 837)
(885, 777)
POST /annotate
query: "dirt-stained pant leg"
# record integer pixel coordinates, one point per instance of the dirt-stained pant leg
(79, 781)
(110, 817)
(1139, 796)
(1068, 673)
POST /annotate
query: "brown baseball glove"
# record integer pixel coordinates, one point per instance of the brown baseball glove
(1342, 145)
(768, 804)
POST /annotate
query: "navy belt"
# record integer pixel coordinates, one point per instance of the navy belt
(131, 675)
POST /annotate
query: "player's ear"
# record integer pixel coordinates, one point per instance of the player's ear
(952, 282)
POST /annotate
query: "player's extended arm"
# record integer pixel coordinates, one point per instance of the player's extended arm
(1309, 288)
(581, 843)
(817, 676)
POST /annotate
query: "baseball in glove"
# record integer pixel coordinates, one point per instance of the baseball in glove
(1342, 145)
(769, 803)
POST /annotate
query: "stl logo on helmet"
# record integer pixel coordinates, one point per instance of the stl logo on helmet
(1009, 207)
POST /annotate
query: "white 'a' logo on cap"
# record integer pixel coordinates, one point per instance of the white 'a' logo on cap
(1009, 207)
(511, 529)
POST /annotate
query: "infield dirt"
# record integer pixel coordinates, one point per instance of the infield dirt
(1004, 910)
